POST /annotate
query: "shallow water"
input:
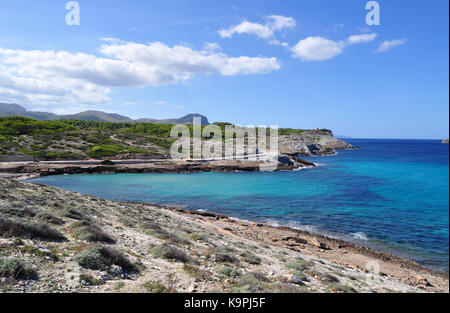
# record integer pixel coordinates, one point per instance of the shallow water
(391, 195)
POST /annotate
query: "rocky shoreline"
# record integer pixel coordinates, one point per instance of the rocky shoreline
(172, 250)
(36, 169)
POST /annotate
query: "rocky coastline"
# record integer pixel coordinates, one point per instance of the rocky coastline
(57, 235)
(36, 169)
(291, 148)
(166, 249)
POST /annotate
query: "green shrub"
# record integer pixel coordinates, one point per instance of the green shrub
(73, 214)
(251, 258)
(328, 278)
(155, 230)
(341, 288)
(26, 249)
(104, 151)
(155, 287)
(223, 257)
(49, 218)
(195, 272)
(229, 272)
(52, 155)
(16, 126)
(298, 264)
(16, 269)
(100, 258)
(251, 283)
(300, 276)
(165, 251)
(324, 277)
(197, 237)
(25, 229)
(84, 230)
(19, 212)
(90, 280)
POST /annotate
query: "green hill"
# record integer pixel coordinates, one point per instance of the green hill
(24, 138)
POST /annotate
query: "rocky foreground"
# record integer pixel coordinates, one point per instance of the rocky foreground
(57, 241)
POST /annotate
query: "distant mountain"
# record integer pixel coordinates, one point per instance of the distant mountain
(11, 109)
(96, 116)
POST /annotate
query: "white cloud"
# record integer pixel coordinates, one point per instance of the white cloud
(389, 44)
(279, 22)
(212, 46)
(245, 27)
(274, 23)
(275, 42)
(60, 77)
(319, 48)
(361, 38)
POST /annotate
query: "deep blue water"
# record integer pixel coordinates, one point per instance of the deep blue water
(391, 195)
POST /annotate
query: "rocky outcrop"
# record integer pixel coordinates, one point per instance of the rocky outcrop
(445, 141)
(311, 143)
(141, 166)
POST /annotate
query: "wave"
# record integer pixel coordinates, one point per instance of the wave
(294, 225)
(360, 236)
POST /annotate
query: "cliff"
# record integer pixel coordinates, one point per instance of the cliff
(311, 143)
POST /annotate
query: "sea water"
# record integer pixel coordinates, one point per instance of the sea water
(390, 195)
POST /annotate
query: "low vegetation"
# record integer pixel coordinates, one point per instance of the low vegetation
(49, 218)
(229, 271)
(84, 230)
(100, 258)
(90, 280)
(23, 137)
(30, 230)
(157, 231)
(155, 287)
(250, 258)
(168, 252)
(14, 268)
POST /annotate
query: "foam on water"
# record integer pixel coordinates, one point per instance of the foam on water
(360, 236)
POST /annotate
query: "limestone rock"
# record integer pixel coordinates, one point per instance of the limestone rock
(315, 242)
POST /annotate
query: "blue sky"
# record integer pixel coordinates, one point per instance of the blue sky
(300, 64)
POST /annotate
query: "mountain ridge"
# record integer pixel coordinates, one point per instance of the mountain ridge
(12, 109)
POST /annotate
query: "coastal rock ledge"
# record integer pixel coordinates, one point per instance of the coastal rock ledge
(306, 143)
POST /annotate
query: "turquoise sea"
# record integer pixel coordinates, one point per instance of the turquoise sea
(391, 195)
